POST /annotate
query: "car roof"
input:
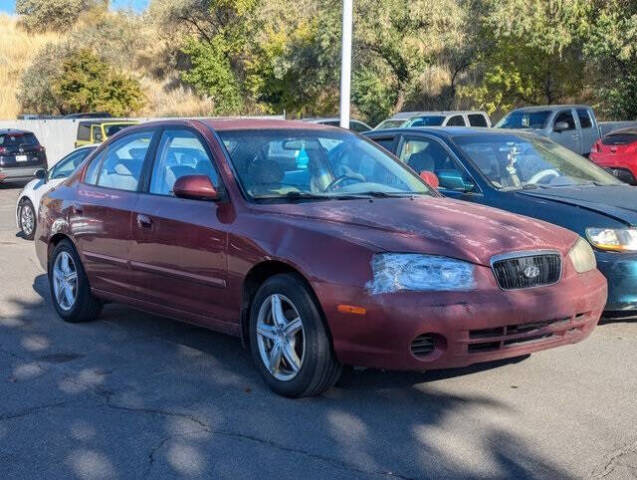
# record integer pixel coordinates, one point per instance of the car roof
(328, 119)
(442, 113)
(550, 108)
(15, 131)
(448, 132)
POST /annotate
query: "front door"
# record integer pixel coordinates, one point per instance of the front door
(179, 256)
(569, 136)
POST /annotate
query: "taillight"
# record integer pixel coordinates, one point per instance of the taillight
(596, 148)
(3, 150)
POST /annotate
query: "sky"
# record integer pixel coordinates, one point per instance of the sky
(8, 6)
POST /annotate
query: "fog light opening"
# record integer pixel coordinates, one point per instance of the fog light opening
(426, 344)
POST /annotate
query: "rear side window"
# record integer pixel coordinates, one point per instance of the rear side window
(477, 120)
(84, 131)
(180, 153)
(119, 165)
(584, 118)
(14, 140)
(456, 121)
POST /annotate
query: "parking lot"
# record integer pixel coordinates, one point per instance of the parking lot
(138, 396)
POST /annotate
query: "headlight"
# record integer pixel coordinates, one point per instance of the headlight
(582, 256)
(614, 239)
(404, 271)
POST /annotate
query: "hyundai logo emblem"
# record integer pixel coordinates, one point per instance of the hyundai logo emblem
(531, 272)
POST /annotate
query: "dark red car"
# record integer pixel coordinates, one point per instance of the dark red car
(315, 246)
(617, 152)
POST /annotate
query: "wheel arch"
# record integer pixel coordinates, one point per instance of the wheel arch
(257, 275)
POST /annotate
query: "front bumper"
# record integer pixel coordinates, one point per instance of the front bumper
(466, 327)
(621, 271)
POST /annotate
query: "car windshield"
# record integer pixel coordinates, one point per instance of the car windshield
(316, 165)
(427, 121)
(536, 120)
(525, 161)
(390, 124)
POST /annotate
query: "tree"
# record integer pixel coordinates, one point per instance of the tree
(85, 84)
(612, 48)
(53, 15)
(532, 53)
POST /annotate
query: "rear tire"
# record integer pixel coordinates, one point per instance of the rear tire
(306, 364)
(28, 219)
(70, 289)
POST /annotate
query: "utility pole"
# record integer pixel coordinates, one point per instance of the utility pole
(346, 63)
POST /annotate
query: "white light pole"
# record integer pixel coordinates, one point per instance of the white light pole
(346, 63)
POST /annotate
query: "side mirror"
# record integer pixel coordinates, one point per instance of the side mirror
(430, 178)
(195, 187)
(561, 126)
(453, 180)
(40, 174)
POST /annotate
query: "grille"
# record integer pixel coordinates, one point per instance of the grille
(490, 339)
(528, 271)
(423, 345)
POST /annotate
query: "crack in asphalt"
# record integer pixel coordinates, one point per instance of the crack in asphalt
(31, 410)
(205, 427)
(614, 459)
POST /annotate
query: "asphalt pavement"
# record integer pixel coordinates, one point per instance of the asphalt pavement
(138, 396)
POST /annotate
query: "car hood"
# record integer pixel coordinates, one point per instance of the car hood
(436, 226)
(618, 202)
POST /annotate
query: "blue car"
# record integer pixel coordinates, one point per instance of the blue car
(534, 176)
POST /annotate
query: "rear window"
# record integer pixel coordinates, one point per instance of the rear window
(620, 138)
(13, 140)
(525, 120)
(428, 121)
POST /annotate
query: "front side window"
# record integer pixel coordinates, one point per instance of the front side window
(477, 120)
(515, 162)
(180, 153)
(566, 119)
(120, 164)
(428, 155)
(456, 121)
(65, 167)
(521, 119)
(97, 133)
(310, 164)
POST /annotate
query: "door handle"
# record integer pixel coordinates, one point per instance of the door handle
(144, 221)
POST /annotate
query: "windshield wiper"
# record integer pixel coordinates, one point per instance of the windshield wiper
(379, 194)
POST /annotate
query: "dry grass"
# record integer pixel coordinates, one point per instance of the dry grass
(17, 48)
(168, 99)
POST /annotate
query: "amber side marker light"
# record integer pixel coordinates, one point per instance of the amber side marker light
(353, 309)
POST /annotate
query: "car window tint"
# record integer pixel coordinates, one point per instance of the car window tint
(68, 164)
(122, 162)
(584, 118)
(477, 120)
(456, 121)
(11, 140)
(358, 127)
(565, 116)
(387, 143)
(427, 155)
(180, 153)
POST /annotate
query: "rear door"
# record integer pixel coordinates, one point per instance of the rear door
(570, 137)
(588, 130)
(102, 213)
(179, 252)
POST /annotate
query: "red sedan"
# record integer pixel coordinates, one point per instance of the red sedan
(315, 246)
(617, 152)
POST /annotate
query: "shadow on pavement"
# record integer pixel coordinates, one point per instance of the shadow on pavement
(138, 396)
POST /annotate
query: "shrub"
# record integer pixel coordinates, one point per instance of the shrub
(52, 15)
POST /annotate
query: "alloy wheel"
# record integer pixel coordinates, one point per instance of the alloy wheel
(65, 281)
(280, 337)
(27, 220)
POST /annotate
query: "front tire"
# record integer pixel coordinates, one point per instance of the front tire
(289, 340)
(70, 289)
(28, 220)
